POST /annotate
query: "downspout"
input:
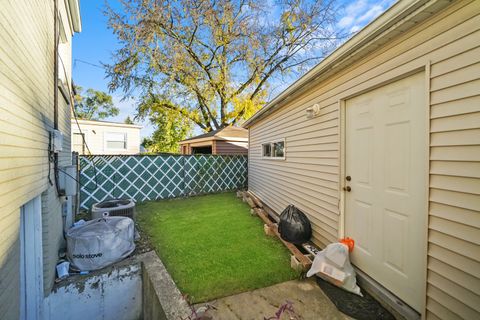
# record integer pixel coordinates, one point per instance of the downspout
(55, 65)
(55, 90)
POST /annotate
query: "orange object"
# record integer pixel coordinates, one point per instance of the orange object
(349, 242)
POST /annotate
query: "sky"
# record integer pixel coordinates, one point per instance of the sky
(96, 43)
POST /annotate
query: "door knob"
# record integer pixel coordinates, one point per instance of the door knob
(347, 188)
(348, 178)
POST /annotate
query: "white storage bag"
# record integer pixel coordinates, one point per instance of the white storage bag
(100, 242)
(333, 265)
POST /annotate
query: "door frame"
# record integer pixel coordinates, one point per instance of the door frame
(425, 68)
(31, 260)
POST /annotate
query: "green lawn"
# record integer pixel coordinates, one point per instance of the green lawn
(212, 246)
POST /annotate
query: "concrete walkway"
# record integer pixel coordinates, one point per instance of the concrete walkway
(308, 302)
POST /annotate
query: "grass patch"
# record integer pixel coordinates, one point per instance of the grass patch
(212, 247)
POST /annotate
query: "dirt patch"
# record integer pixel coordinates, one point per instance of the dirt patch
(83, 214)
(142, 243)
(360, 308)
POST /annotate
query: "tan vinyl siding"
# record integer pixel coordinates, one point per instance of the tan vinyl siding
(309, 176)
(26, 116)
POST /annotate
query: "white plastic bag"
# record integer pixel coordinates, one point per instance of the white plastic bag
(333, 265)
(100, 242)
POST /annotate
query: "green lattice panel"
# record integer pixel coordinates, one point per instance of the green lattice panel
(158, 177)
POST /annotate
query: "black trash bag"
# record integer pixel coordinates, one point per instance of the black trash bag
(294, 226)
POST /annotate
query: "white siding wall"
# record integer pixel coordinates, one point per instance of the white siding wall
(309, 177)
(95, 136)
(26, 117)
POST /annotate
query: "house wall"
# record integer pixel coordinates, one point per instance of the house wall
(95, 136)
(447, 47)
(26, 117)
(231, 147)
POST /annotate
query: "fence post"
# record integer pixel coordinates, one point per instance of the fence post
(76, 163)
(184, 189)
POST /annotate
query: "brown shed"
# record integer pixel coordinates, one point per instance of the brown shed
(226, 141)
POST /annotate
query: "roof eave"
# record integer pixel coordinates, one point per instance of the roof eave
(192, 140)
(106, 123)
(75, 15)
(369, 37)
(216, 138)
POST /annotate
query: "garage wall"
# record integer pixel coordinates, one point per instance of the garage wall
(309, 177)
(231, 147)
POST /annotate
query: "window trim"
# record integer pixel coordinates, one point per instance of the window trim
(272, 143)
(264, 144)
(115, 149)
(83, 141)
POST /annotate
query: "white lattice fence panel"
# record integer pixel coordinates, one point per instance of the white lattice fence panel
(158, 177)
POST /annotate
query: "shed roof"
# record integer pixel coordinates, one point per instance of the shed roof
(105, 123)
(402, 16)
(226, 133)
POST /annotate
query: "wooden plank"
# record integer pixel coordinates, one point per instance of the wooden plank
(257, 201)
(261, 213)
(250, 202)
(244, 197)
(294, 250)
(268, 230)
(306, 263)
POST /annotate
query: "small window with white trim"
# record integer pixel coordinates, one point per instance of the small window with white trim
(274, 150)
(266, 150)
(116, 140)
(279, 149)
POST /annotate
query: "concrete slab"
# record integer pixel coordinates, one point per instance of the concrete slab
(307, 301)
(114, 292)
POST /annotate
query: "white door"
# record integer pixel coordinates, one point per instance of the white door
(31, 262)
(386, 168)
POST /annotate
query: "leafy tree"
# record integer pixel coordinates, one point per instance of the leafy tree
(94, 104)
(171, 126)
(128, 120)
(212, 61)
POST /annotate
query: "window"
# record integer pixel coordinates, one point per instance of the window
(278, 149)
(274, 150)
(78, 144)
(116, 140)
(267, 150)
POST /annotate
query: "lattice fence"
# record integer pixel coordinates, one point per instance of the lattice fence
(158, 177)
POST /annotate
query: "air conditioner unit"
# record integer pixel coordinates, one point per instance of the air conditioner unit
(114, 207)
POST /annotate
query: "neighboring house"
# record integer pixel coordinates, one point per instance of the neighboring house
(35, 96)
(381, 142)
(103, 137)
(229, 140)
